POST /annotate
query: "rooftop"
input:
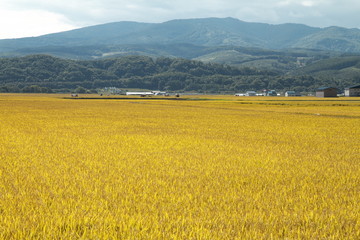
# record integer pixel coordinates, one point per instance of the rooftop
(354, 86)
(325, 88)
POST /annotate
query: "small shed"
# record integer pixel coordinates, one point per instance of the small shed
(250, 93)
(326, 92)
(290, 93)
(268, 92)
(352, 91)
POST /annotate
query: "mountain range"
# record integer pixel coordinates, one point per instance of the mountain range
(284, 48)
(183, 38)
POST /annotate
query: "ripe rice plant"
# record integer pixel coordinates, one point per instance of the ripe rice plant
(211, 168)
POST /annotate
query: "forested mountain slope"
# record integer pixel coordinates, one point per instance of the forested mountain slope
(125, 38)
(43, 73)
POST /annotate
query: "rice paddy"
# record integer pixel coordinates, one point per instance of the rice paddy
(209, 167)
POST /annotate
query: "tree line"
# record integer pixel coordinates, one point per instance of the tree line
(43, 73)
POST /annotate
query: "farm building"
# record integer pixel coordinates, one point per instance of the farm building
(250, 93)
(326, 92)
(140, 93)
(290, 93)
(268, 92)
(156, 93)
(352, 91)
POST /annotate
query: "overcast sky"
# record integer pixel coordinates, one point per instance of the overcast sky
(22, 18)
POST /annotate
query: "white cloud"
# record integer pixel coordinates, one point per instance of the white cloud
(15, 24)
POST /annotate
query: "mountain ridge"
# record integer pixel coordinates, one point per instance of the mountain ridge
(198, 31)
(282, 47)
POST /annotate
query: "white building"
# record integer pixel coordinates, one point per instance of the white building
(139, 93)
(352, 91)
(250, 93)
(155, 93)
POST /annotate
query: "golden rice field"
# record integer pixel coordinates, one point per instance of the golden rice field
(217, 167)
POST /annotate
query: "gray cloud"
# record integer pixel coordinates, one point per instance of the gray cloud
(79, 13)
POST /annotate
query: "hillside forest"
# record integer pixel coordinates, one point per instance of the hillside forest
(44, 73)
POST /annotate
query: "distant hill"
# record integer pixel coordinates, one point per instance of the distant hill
(344, 67)
(332, 39)
(286, 51)
(43, 73)
(279, 60)
(203, 32)
(187, 38)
